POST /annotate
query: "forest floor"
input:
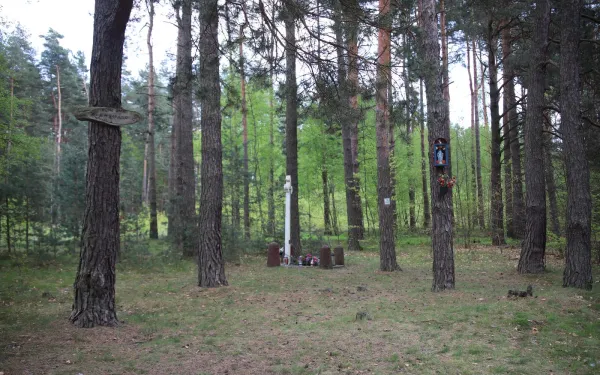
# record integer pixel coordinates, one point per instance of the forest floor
(352, 320)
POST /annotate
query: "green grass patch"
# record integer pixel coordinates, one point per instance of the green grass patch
(303, 321)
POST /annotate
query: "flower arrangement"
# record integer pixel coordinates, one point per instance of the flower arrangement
(445, 181)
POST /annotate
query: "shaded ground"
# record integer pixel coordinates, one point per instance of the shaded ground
(307, 321)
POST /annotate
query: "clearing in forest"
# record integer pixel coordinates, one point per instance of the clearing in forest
(354, 320)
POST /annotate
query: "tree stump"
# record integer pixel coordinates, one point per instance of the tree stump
(325, 261)
(273, 259)
(338, 255)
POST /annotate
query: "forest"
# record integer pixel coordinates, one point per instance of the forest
(351, 98)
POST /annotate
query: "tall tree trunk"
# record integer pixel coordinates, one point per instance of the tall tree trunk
(94, 302)
(472, 88)
(497, 220)
(387, 250)
(334, 215)
(437, 121)
(486, 123)
(151, 106)
(474, 98)
(271, 193)
(506, 124)
(211, 267)
(186, 237)
(27, 224)
(578, 259)
(351, 11)
(412, 221)
(60, 120)
(245, 136)
(518, 219)
(291, 117)
(7, 158)
(426, 207)
(534, 245)
(326, 211)
(549, 176)
(444, 39)
(346, 121)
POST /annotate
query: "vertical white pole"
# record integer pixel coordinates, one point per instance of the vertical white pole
(288, 214)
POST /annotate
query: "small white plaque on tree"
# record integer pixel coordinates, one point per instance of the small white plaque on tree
(387, 201)
(109, 116)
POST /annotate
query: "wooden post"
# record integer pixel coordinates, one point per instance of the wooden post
(273, 255)
(325, 261)
(338, 253)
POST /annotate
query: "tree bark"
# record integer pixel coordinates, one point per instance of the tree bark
(326, 210)
(497, 220)
(271, 224)
(186, 238)
(211, 267)
(426, 206)
(387, 250)
(578, 260)
(412, 219)
(474, 98)
(437, 121)
(151, 107)
(549, 176)
(291, 118)
(518, 219)
(245, 137)
(351, 10)
(506, 123)
(59, 118)
(534, 245)
(94, 302)
(472, 88)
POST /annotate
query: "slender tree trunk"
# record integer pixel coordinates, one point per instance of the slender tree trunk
(151, 106)
(497, 222)
(94, 302)
(387, 250)
(27, 224)
(534, 245)
(271, 194)
(472, 88)
(211, 267)
(392, 157)
(245, 137)
(426, 207)
(186, 237)
(518, 219)
(506, 124)
(334, 214)
(412, 222)
(549, 176)
(444, 39)
(59, 118)
(291, 118)
(578, 260)
(437, 114)
(474, 98)
(7, 158)
(486, 123)
(326, 211)
(351, 11)
(8, 236)
(346, 121)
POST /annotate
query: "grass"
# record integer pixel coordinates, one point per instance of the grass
(303, 321)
